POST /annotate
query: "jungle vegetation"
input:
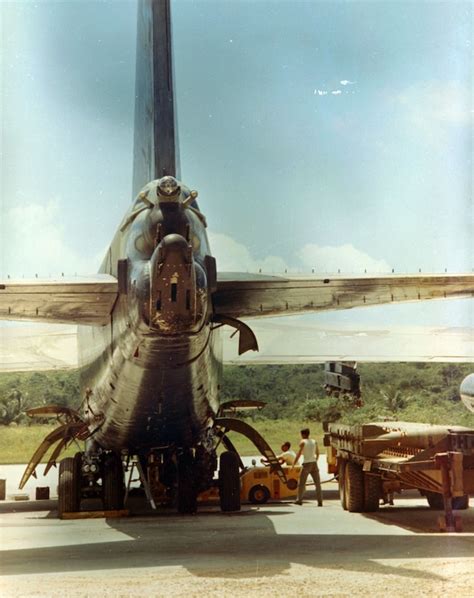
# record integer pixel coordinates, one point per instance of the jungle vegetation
(424, 392)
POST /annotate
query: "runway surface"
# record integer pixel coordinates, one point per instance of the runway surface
(278, 549)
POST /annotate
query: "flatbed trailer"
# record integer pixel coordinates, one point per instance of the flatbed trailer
(374, 461)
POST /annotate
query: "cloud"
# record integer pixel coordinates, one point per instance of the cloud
(33, 242)
(347, 82)
(345, 258)
(233, 256)
(433, 105)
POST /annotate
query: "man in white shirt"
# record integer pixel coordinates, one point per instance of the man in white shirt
(310, 451)
(287, 457)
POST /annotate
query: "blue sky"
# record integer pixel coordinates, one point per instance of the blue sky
(319, 135)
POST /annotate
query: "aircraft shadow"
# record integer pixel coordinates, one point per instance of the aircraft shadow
(238, 545)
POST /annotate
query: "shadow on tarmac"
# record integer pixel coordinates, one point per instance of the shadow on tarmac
(237, 545)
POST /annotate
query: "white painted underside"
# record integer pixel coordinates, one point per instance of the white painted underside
(281, 340)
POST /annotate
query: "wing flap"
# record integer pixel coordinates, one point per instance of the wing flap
(76, 301)
(256, 296)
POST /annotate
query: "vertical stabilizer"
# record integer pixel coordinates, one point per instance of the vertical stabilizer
(155, 135)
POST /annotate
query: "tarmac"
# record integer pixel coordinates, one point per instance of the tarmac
(276, 549)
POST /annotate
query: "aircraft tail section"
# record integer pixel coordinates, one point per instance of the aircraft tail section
(155, 136)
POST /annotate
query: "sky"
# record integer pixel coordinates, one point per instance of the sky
(320, 135)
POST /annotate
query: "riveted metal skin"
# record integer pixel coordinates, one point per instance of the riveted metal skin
(154, 369)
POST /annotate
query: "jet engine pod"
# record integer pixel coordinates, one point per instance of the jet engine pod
(178, 290)
(467, 392)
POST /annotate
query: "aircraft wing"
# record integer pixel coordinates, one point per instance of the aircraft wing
(254, 295)
(68, 301)
(302, 339)
(296, 339)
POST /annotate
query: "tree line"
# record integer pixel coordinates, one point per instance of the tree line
(425, 392)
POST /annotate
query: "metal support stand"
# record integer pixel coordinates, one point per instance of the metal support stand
(447, 522)
(142, 477)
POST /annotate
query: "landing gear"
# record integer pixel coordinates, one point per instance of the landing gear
(113, 487)
(69, 487)
(187, 492)
(229, 482)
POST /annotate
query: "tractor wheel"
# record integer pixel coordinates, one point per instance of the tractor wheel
(436, 502)
(341, 483)
(69, 486)
(259, 495)
(354, 487)
(229, 482)
(372, 492)
(113, 487)
(187, 493)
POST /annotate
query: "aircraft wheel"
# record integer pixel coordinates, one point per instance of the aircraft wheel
(69, 485)
(229, 482)
(436, 502)
(259, 495)
(354, 487)
(187, 493)
(341, 483)
(372, 492)
(113, 487)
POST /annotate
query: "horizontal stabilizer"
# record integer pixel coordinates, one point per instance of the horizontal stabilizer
(252, 296)
(68, 301)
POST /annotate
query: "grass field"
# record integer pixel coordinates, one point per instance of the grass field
(18, 443)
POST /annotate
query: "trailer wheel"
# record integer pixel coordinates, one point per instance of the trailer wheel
(258, 495)
(341, 483)
(229, 482)
(113, 488)
(354, 487)
(372, 492)
(69, 485)
(461, 503)
(436, 501)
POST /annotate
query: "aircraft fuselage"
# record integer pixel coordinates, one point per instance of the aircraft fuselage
(150, 378)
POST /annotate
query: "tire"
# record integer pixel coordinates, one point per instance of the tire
(113, 487)
(354, 487)
(259, 495)
(187, 492)
(69, 485)
(229, 482)
(341, 483)
(372, 492)
(461, 503)
(436, 501)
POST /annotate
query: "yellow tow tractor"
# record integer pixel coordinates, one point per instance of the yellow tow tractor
(261, 484)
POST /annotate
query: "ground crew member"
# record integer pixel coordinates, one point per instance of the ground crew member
(310, 451)
(287, 456)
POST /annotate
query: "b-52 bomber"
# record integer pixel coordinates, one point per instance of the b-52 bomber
(150, 323)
